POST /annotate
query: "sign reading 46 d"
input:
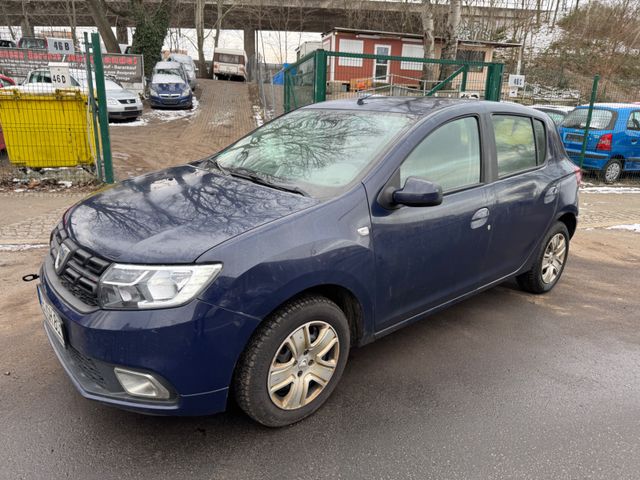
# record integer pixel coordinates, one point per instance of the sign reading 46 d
(63, 46)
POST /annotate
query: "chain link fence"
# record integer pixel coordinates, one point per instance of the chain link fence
(598, 121)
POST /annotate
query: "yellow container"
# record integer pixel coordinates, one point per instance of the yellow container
(49, 129)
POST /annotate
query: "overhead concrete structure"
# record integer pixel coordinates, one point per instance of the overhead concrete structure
(253, 15)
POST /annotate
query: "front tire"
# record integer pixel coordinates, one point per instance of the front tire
(550, 263)
(293, 362)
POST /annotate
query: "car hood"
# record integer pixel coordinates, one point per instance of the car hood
(122, 95)
(175, 215)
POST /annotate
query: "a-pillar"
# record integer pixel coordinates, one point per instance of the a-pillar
(122, 34)
(250, 49)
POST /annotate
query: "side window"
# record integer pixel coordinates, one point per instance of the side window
(634, 121)
(541, 140)
(449, 156)
(515, 144)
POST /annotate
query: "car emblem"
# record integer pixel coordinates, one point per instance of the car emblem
(61, 258)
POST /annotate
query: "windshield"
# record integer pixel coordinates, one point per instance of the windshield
(111, 85)
(168, 71)
(317, 151)
(600, 119)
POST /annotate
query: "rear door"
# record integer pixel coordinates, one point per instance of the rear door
(525, 193)
(632, 141)
(426, 256)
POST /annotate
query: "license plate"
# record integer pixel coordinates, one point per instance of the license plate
(53, 320)
(571, 137)
(130, 108)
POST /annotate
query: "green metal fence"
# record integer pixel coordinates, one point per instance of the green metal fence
(603, 137)
(324, 75)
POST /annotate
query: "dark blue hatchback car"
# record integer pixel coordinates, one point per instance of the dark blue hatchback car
(257, 269)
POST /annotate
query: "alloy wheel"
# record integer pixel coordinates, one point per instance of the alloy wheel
(303, 365)
(613, 172)
(554, 257)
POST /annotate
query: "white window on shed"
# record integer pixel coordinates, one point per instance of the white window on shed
(350, 46)
(413, 51)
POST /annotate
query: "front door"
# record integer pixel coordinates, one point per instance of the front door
(426, 256)
(632, 142)
(381, 67)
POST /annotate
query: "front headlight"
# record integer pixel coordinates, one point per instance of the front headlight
(153, 92)
(112, 101)
(144, 286)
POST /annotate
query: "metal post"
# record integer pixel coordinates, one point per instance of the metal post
(102, 109)
(320, 87)
(594, 93)
(463, 85)
(92, 107)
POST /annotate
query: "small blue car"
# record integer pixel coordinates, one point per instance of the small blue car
(613, 144)
(256, 270)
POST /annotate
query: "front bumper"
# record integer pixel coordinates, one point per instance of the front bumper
(176, 102)
(191, 349)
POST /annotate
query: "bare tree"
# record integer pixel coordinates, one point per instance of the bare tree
(428, 40)
(102, 22)
(199, 11)
(451, 35)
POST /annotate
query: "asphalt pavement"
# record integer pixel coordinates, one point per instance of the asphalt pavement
(505, 385)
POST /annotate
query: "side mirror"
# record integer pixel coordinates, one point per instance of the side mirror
(418, 193)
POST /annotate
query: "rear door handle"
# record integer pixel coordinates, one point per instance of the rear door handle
(480, 218)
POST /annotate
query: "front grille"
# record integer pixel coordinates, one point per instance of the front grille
(127, 101)
(81, 271)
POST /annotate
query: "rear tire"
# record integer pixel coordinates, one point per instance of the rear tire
(550, 262)
(293, 362)
(611, 171)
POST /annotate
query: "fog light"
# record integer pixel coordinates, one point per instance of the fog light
(140, 384)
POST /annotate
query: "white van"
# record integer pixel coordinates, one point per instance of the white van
(230, 63)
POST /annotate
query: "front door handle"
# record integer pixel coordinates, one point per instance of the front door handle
(480, 218)
(634, 141)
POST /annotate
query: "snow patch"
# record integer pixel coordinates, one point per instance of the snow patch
(10, 247)
(257, 115)
(616, 190)
(634, 227)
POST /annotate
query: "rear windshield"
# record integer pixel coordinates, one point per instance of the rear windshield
(229, 58)
(39, 43)
(601, 119)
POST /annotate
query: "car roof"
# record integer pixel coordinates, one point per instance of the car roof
(613, 106)
(420, 106)
(180, 57)
(168, 65)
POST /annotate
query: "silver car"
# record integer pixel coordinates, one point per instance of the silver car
(121, 103)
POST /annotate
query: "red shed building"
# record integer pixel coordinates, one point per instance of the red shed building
(358, 73)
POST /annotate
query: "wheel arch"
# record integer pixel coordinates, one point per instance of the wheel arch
(571, 222)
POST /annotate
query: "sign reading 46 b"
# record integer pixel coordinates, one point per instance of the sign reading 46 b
(60, 45)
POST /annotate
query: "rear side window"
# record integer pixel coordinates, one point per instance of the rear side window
(541, 140)
(634, 121)
(448, 156)
(515, 144)
(600, 119)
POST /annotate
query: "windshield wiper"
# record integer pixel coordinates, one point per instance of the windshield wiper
(262, 179)
(213, 161)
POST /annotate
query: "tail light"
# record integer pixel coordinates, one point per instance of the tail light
(578, 172)
(605, 142)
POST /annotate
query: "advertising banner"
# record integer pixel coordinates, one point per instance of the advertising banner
(17, 62)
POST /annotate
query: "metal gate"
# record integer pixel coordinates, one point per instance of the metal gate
(324, 75)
